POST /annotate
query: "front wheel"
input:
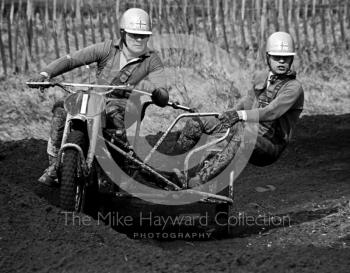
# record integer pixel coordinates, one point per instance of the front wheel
(73, 188)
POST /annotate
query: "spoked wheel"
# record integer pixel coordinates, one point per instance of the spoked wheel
(80, 196)
(73, 188)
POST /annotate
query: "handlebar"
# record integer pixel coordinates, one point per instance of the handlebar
(63, 85)
(111, 88)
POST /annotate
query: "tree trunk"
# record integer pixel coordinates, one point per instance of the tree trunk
(332, 25)
(296, 10)
(100, 24)
(241, 23)
(222, 21)
(323, 26)
(314, 27)
(92, 27)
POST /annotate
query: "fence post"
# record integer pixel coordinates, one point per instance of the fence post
(323, 26)
(65, 32)
(150, 8)
(280, 14)
(211, 20)
(258, 27)
(9, 35)
(75, 34)
(116, 18)
(274, 11)
(306, 39)
(285, 9)
(290, 13)
(194, 18)
(347, 16)
(241, 23)
(2, 51)
(314, 27)
(233, 21)
(226, 12)
(184, 15)
(29, 27)
(261, 45)
(100, 23)
(54, 30)
(222, 21)
(46, 32)
(77, 10)
(166, 21)
(204, 19)
(332, 26)
(54, 36)
(92, 27)
(160, 9)
(341, 23)
(82, 29)
(36, 41)
(296, 10)
(16, 41)
(110, 24)
(250, 20)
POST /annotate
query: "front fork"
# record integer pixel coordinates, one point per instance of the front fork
(92, 125)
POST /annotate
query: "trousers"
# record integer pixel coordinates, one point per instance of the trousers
(265, 152)
(116, 118)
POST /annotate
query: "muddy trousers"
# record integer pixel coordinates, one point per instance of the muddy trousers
(265, 151)
(115, 119)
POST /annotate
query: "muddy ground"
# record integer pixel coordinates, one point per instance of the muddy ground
(311, 185)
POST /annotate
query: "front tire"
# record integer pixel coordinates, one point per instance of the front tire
(73, 188)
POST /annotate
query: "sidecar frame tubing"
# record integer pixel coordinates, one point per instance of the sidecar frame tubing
(204, 196)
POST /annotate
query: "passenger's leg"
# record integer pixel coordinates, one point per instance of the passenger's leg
(266, 151)
(215, 164)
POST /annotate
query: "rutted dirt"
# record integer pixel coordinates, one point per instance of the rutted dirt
(311, 185)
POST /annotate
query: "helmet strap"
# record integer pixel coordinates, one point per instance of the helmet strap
(123, 38)
(268, 60)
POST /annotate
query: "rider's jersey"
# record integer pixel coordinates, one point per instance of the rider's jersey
(147, 74)
(285, 106)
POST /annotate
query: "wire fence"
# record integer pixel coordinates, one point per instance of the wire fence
(36, 31)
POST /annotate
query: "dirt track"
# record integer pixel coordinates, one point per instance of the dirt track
(312, 182)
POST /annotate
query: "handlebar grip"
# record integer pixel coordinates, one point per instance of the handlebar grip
(176, 105)
(40, 84)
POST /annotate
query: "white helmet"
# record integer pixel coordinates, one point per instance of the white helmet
(136, 21)
(280, 44)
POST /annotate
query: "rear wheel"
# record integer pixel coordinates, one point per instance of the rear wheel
(73, 188)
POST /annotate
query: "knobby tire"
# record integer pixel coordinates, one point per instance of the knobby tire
(69, 179)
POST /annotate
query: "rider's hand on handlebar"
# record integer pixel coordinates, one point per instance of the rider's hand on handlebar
(160, 97)
(229, 118)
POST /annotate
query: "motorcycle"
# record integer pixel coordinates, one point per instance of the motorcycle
(81, 178)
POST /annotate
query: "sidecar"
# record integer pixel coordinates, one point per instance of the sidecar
(112, 182)
(147, 203)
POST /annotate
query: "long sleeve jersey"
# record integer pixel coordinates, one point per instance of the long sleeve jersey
(149, 74)
(286, 107)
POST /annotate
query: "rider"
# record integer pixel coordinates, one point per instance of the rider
(277, 100)
(124, 61)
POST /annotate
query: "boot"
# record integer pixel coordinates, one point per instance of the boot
(49, 177)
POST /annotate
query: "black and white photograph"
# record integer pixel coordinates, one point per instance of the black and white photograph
(175, 136)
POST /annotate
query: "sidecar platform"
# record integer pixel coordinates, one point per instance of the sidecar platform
(209, 214)
(145, 219)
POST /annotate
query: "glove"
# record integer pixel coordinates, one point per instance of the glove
(160, 97)
(229, 118)
(40, 78)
